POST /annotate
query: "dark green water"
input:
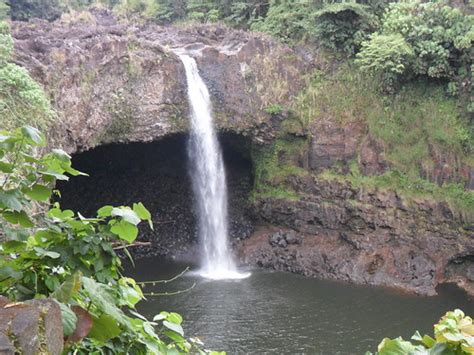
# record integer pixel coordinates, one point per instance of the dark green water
(280, 313)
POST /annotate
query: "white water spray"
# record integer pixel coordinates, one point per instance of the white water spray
(208, 180)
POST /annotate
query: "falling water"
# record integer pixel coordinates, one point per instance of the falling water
(208, 180)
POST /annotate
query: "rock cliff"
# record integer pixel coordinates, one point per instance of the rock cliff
(117, 82)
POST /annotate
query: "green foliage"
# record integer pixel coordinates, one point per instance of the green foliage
(386, 56)
(273, 164)
(4, 10)
(274, 109)
(288, 20)
(60, 254)
(6, 43)
(453, 335)
(343, 26)
(416, 120)
(203, 11)
(22, 10)
(437, 43)
(338, 27)
(455, 195)
(21, 98)
(414, 125)
(243, 13)
(160, 11)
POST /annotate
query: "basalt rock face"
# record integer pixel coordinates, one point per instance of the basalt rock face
(120, 82)
(340, 232)
(31, 327)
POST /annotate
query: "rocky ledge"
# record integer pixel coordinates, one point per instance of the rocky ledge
(113, 81)
(340, 232)
(116, 82)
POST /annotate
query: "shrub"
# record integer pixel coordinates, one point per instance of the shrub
(244, 13)
(22, 10)
(287, 20)
(440, 38)
(21, 98)
(202, 11)
(343, 26)
(274, 109)
(453, 334)
(386, 56)
(4, 10)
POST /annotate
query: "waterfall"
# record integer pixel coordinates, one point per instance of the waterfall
(208, 180)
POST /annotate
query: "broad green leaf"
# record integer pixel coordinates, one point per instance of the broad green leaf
(125, 231)
(174, 336)
(126, 213)
(45, 253)
(130, 295)
(148, 328)
(61, 155)
(61, 215)
(69, 319)
(10, 199)
(396, 346)
(33, 135)
(74, 172)
(39, 192)
(141, 211)
(104, 298)
(20, 218)
(13, 246)
(6, 272)
(55, 175)
(52, 282)
(440, 349)
(105, 211)
(159, 317)
(30, 159)
(174, 318)
(11, 217)
(8, 138)
(68, 288)
(174, 327)
(6, 167)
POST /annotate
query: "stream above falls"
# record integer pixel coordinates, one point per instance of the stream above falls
(283, 313)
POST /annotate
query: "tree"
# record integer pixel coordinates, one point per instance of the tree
(23, 10)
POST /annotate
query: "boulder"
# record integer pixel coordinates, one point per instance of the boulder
(31, 327)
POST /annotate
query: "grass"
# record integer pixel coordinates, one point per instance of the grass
(416, 124)
(454, 195)
(273, 164)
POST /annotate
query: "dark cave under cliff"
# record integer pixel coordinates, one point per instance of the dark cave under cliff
(156, 174)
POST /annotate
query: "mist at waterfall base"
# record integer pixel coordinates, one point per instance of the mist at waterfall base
(208, 180)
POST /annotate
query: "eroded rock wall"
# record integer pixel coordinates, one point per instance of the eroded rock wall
(31, 327)
(368, 237)
(118, 82)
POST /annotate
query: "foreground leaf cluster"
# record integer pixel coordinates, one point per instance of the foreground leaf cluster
(453, 335)
(46, 251)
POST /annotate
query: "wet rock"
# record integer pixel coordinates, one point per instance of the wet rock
(30, 327)
(368, 237)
